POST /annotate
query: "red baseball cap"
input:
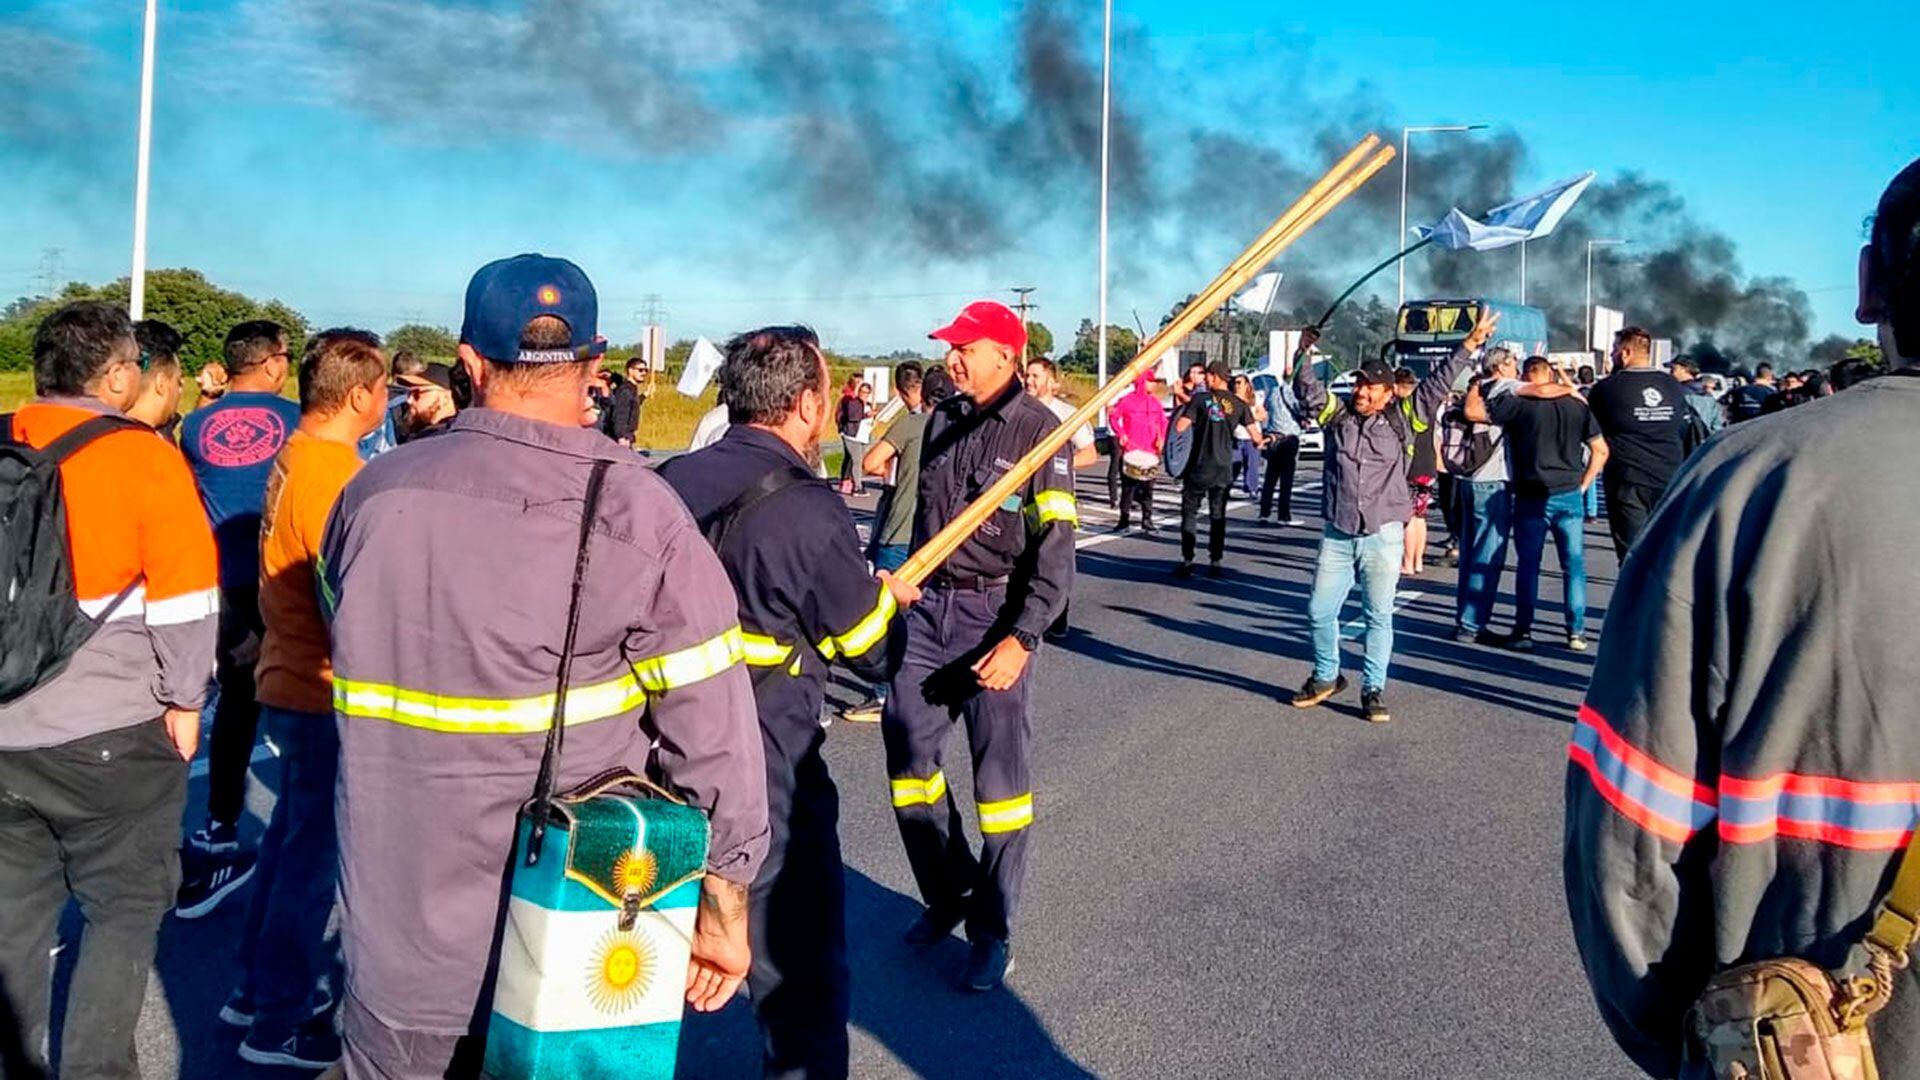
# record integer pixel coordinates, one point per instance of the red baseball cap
(987, 319)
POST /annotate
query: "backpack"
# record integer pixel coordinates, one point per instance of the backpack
(41, 624)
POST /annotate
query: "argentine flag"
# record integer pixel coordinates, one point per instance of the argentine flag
(1528, 218)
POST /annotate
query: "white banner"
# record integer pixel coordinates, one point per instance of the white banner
(702, 364)
(1606, 323)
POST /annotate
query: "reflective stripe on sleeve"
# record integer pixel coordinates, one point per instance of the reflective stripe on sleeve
(1052, 506)
(1007, 815)
(683, 668)
(484, 716)
(763, 651)
(868, 631)
(912, 791)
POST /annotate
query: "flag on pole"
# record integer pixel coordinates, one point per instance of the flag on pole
(1528, 218)
(1259, 295)
(703, 363)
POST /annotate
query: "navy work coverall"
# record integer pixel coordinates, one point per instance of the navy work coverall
(1011, 578)
(806, 598)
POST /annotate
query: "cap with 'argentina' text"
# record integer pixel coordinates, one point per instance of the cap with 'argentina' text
(507, 294)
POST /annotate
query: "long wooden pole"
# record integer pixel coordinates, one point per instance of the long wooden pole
(1341, 181)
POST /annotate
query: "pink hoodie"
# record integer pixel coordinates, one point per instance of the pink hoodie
(1137, 420)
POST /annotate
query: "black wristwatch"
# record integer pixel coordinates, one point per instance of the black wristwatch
(1027, 641)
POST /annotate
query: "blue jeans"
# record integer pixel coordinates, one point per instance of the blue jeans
(1533, 517)
(1592, 503)
(887, 557)
(285, 956)
(1375, 559)
(1247, 457)
(1487, 524)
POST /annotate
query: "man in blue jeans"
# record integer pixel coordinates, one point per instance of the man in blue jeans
(1487, 508)
(1548, 430)
(1367, 504)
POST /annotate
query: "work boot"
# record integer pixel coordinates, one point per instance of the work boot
(1373, 706)
(1184, 570)
(866, 712)
(988, 966)
(1314, 692)
(933, 926)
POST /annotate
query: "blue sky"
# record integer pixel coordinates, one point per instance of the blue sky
(360, 196)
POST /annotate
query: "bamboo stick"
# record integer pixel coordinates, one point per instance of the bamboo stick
(1320, 199)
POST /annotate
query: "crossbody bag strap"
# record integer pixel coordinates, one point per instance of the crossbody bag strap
(766, 487)
(542, 803)
(1896, 922)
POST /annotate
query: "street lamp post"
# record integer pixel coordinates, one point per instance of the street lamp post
(1401, 240)
(1591, 244)
(137, 281)
(1106, 106)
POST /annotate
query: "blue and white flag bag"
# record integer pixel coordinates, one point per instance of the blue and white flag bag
(604, 887)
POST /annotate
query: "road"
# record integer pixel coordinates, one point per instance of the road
(1220, 885)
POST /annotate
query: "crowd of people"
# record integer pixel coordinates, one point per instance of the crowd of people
(309, 568)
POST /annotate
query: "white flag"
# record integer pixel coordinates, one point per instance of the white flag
(1527, 218)
(702, 364)
(1259, 295)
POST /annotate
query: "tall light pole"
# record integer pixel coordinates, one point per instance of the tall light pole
(1106, 121)
(137, 284)
(1523, 271)
(1400, 240)
(1591, 244)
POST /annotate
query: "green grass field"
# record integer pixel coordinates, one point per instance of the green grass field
(666, 423)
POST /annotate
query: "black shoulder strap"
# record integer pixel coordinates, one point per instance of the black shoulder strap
(6, 430)
(719, 524)
(84, 434)
(542, 804)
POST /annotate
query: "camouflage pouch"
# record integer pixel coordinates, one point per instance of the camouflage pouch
(1781, 1020)
(1789, 1019)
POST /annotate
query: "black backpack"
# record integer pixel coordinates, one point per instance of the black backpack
(41, 624)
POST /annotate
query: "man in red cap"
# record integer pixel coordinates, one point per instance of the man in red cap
(969, 641)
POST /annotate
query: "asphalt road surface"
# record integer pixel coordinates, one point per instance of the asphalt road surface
(1220, 885)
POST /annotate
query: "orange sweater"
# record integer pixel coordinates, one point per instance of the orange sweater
(296, 667)
(133, 516)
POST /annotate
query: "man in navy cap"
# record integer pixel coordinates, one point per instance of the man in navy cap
(447, 568)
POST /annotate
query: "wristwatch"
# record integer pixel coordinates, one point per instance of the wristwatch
(1027, 641)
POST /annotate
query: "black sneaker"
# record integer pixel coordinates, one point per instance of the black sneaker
(933, 927)
(216, 839)
(867, 712)
(1517, 642)
(1214, 569)
(313, 1046)
(1314, 692)
(1149, 527)
(239, 1009)
(210, 881)
(1184, 570)
(988, 966)
(1373, 706)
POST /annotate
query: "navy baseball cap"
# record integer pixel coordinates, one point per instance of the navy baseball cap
(507, 294)
(1374, 371)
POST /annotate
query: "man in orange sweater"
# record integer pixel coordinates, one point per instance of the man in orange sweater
(284, 957)
(93, 761)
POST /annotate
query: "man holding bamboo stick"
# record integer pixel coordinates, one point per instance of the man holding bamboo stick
(969, 641)
(1367, 506)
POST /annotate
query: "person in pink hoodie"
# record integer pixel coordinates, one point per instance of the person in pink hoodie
(1139, 427)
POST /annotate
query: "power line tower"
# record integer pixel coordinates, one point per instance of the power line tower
(1023, 305)
(52, 272)
(652, 310)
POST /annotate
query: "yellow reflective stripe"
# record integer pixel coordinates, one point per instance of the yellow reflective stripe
(827, 648)
(763, 651)
(869, 630)
(1326, 411)
(677, 670)
(1007, 815)
(1051, 506)
(484, 716)
(912, 791)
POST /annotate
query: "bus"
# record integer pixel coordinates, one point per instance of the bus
(1428, 331)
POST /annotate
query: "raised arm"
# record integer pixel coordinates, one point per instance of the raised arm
(1433, 390)
(1307, 386)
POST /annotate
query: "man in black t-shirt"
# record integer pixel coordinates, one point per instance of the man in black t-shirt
(1644, 414)
(1211, 415)
(1749, 401)
(1548, 431)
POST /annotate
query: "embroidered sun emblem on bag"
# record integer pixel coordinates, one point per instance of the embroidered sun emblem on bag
(623, 969)
(634, 872)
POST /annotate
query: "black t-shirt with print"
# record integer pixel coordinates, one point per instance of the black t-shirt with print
(1643, 414)
(1546, 440)
(1214, 417)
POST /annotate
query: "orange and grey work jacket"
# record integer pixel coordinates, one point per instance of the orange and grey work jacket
(447, 566)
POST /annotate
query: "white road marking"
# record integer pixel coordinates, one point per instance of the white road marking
(261, 753)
